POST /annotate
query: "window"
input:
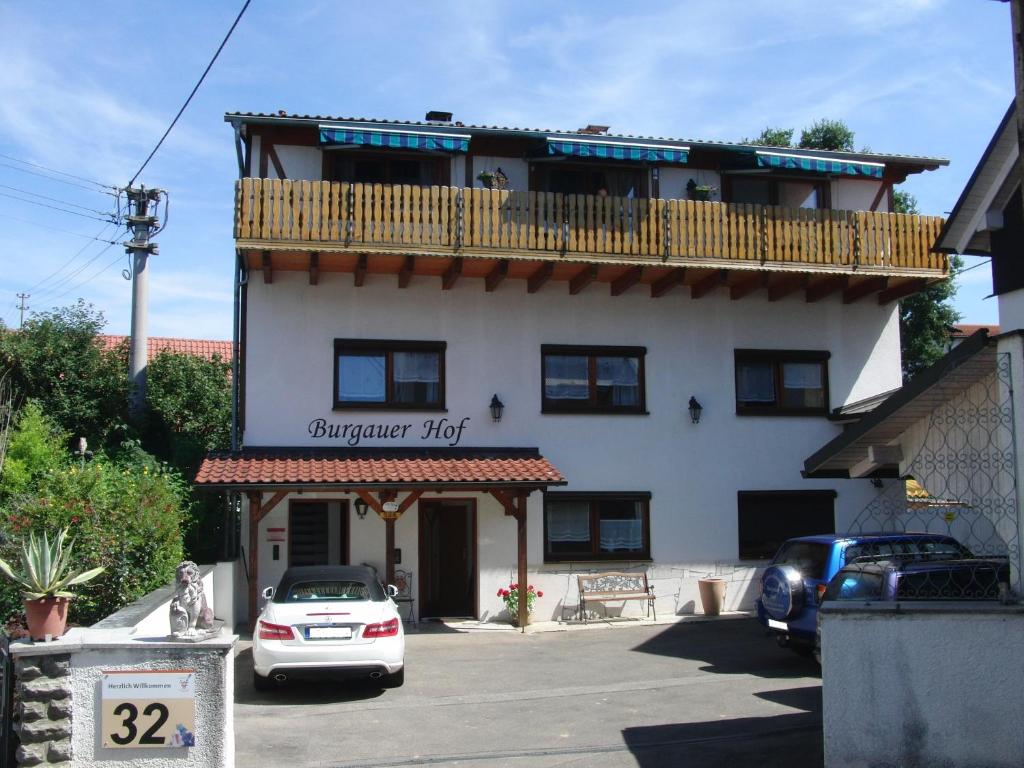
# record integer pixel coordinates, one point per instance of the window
(596, 526)
(781, 382)
(388, 168)
(768, 518)
(790, 193)
(586, 179)
(592, 379)
(389, 374)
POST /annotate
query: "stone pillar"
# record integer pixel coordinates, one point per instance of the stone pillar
(44, 694)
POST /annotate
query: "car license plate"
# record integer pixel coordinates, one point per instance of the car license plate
(778, 624)
(329, 633)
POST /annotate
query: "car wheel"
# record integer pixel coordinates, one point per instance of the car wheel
(395, 680)
(261, 683)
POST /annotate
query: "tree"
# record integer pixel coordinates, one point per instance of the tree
(189, 408)
(925, 317)
(827, 134)
(772, 137)
(55, 360)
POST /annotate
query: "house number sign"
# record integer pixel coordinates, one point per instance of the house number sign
(148, 709)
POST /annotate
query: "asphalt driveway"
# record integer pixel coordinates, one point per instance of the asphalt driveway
(695, 694)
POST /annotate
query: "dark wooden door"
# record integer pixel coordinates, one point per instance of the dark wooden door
(310, 539)
(447, 558)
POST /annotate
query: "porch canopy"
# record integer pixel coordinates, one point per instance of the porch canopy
(392, 138)
(869, 447)
(618, 150)
(389, 480)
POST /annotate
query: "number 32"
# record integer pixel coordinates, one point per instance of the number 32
(131, 714)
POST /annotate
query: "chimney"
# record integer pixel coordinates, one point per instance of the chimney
(436, 116)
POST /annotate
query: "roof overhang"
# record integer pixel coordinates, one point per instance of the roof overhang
(869, 447)
(966, 228)
(466, 469)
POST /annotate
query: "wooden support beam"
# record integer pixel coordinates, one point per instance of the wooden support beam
(626, 280)
(783, 286)
(864, 288)
(582, 279)
(408, 501)
(451, 274)
(268, 269)
(663, 285)
(706, 285)
(540, 276)
(902, 290)
(505, 500)
(314, 268)
(359, 277)
(524, 605)
(825, 287)
(747, 286)
(405, 275)
(496, 275)
(254, 563)
(276, 499)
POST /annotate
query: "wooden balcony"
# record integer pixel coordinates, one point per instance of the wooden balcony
(648, 236)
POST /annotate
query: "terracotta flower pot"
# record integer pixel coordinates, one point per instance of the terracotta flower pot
(46, 616)
(712, 595)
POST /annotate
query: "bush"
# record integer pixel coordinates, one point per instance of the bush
(36, 447)
(125, 513)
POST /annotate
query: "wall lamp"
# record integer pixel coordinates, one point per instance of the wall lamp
(695, 410)
(496, 408)
(360, 506)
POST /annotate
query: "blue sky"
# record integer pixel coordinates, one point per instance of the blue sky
(88, 88)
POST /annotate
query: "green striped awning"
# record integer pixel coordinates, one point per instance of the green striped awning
(393, 139)
(819, 164)
(614, 150)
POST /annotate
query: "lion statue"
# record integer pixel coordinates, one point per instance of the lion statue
(189, 609)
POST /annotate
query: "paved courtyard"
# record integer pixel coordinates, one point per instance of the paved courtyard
(695, 694)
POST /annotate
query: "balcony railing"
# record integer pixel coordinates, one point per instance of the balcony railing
(271, 213)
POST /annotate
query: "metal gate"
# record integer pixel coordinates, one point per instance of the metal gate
(962, 474)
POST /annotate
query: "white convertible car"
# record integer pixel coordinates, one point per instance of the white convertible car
(328, 620)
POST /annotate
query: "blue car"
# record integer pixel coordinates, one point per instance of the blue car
(793, 585)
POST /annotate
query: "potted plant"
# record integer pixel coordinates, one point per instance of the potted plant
(44, 577)
(695, 191)
(511, 597)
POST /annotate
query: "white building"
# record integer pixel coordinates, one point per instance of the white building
(387, 298)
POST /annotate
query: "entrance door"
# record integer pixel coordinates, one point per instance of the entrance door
(318, 533)
(448, 558)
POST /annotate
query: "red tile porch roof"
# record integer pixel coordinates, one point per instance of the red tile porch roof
(205, 348)
(462, 467)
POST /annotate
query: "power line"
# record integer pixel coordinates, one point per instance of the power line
(54, 170)
(94, 275)
(54, 199)
(55, 229)
(62, 181)
(196, 88)
(66, 264)
(69, 277)
(55, 208)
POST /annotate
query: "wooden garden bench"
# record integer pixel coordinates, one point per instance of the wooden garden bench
(613, 586)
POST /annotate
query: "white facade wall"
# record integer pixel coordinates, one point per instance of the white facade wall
(693, 472)
(857, 195)
(672, 181)
(1011, 310)
(298, 162)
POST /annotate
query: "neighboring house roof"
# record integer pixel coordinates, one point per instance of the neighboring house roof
(967, 364)
(205, 348)
(396, 467)
(962, 331)
(919, 163)
(965, 230)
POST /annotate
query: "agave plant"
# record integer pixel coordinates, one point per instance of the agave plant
(46, 567)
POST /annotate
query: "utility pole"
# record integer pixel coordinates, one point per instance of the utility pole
(142, 223)
(22, 296)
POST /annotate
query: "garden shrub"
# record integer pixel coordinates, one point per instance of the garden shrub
(124, 512)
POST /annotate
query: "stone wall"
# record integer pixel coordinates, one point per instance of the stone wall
(45, 701)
